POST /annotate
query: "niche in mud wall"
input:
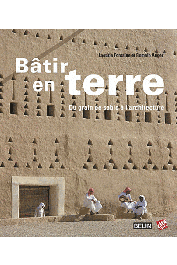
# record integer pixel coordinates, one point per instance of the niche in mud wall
(107, 114)
(86, 112)
(147, 116)
(50, 110)
(54, 196)
(30, 197)
(167, 118)
(13, 108)
(128, 115)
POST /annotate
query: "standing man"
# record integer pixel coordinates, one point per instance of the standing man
(126, 200)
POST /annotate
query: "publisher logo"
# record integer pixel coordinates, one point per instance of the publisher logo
(162, 224)
(142, 225)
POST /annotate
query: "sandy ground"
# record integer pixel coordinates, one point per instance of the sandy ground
(116, 228)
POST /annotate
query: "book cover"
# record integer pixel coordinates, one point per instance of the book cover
(81, 109)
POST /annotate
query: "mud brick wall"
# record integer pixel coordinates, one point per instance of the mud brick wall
(40, 136)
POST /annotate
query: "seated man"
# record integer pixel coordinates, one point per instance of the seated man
(39, 212)
(140, 207)
(126, 200)
(91, 202)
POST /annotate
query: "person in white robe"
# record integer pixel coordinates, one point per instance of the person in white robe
(91, 202)
(39, 212)
(140, 207)
(126, 200)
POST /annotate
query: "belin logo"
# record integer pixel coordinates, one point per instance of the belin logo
(142, 225)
